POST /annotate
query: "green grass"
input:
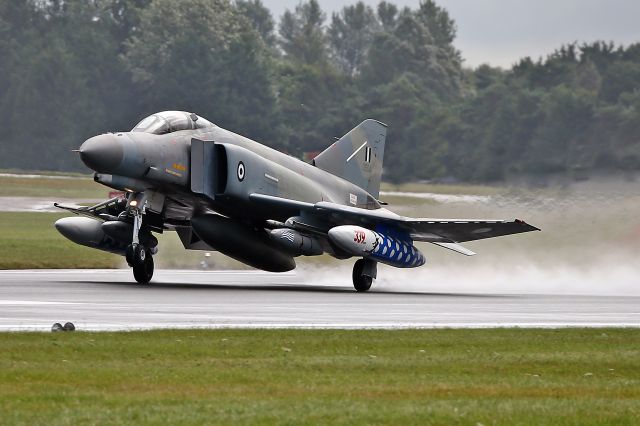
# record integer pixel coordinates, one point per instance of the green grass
(469, 377)
(60, 187)
(30, 241)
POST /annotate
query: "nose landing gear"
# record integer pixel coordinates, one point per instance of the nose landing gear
(143, 269)
(141, 260)
(138, 256)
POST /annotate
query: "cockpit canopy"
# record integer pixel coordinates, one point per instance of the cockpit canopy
(171, 121)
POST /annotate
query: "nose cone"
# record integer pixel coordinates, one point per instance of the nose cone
(102, 153)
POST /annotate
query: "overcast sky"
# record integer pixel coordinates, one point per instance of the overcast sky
(500, 32)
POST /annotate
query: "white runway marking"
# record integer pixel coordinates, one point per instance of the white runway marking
(31, 303)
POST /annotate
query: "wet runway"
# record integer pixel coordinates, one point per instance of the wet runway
(40, 204)
(109, 300)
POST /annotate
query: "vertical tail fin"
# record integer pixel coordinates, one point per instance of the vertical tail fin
(357, 156)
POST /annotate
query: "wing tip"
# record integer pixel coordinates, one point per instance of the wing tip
(522, 222)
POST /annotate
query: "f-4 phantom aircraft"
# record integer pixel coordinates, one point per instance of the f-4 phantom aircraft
(221, 191)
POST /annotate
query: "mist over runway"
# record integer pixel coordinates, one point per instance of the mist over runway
(109, 300)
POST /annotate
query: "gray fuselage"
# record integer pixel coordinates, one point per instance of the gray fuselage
(163, 163)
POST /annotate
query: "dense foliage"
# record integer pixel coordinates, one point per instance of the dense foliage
(70, 69)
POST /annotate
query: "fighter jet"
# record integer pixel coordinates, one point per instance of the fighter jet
(222, 191)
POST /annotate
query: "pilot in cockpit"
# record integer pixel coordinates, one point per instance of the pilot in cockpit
(171, 121)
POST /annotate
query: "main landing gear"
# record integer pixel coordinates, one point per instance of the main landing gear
(138, 256)
(364, 271)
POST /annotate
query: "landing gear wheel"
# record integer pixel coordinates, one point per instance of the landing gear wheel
(143, 269)
(136, 253)
(139, 253)
(360, 282)
(129, 256)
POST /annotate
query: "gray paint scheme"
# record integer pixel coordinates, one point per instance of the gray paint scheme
(363, 147)
(195, 175)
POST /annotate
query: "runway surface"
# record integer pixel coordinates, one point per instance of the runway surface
(41, 204)
(109, 300)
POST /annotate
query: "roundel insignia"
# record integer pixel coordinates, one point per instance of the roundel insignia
(241, 171)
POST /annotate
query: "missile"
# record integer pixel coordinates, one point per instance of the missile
(363, 242)
(295, 243)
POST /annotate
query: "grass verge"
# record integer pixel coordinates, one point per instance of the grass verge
(30, 241)
(495, 376)
(59, 187)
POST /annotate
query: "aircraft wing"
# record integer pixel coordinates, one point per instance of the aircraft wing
(443, 232)
(457, 230)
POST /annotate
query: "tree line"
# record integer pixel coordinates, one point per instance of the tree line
(70, 69)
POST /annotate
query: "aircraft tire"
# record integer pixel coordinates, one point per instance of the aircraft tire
(361, 282)
(135, 253)
(129, 256)
(139, 253)
(143, 270)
